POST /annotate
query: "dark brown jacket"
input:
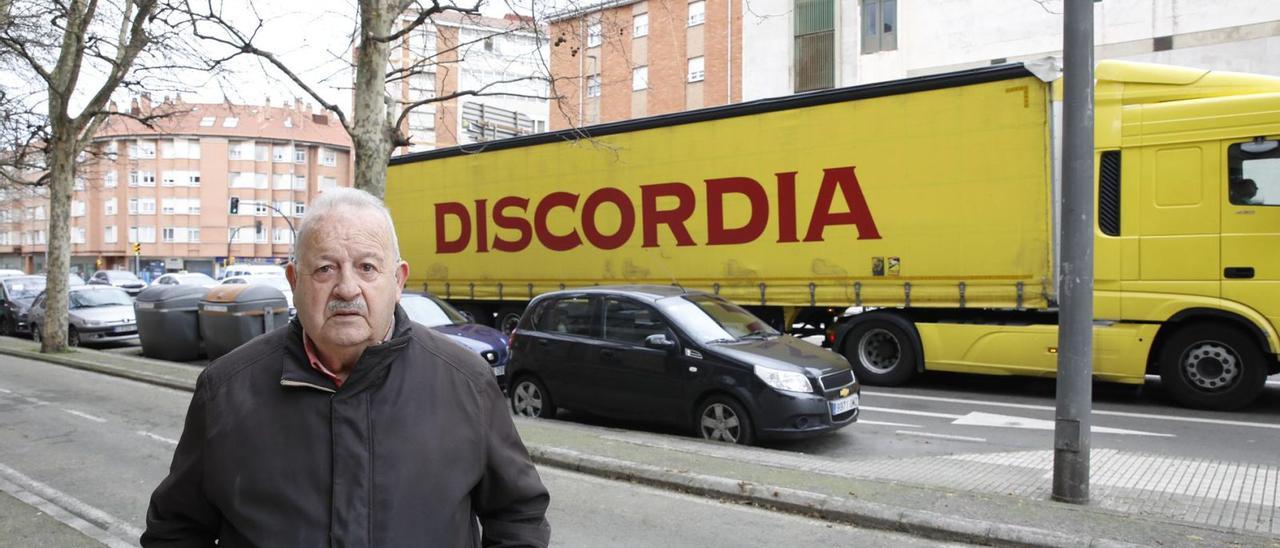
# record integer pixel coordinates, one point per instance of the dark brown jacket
(416, 449)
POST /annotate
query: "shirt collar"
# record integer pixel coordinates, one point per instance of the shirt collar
(313, 357)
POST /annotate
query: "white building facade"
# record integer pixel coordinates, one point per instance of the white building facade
(835, 43)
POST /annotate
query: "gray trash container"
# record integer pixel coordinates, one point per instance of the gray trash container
(231, 315)
(168, 323)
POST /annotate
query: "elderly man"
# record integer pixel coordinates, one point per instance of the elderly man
(353, 426)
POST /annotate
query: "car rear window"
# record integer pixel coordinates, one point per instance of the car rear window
(569, 315)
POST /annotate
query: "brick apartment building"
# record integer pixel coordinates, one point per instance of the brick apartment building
(167, 188)
(624, 59)
(453, 52)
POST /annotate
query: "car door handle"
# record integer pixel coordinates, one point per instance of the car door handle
(1238, 272)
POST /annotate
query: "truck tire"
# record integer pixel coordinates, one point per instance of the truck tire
(508, 317)
(1208, 366)
(882, 351)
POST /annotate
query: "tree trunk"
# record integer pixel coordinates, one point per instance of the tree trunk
(370, 129)
(62, 158)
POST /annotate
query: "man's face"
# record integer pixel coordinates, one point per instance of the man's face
(347, 280)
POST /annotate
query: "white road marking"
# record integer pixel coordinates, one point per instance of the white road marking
(893, 424)
(5, 391)
(85, 415)
(1006, 421)
(35, 401)
(912, 412)
(157, 437)
(940, 436)
(115, 526)
(1095, 411)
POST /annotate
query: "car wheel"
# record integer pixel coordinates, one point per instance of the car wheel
(73, 336)
(529, 398)
(1212, 367)
(881, 352)
(722, 419)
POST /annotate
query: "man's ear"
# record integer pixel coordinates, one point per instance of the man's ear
(402, 274)
(291, 273)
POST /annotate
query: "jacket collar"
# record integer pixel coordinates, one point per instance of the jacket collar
(370, 369)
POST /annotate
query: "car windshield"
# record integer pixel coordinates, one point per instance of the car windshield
(710, 319)
(194, 279)
(121, 276)
(99, 297)
(430, 311)
(24, 287)
(278, 282)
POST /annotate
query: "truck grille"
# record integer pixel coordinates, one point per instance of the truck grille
(837, 379)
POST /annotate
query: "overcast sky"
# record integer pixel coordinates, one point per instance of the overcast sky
(313, 37)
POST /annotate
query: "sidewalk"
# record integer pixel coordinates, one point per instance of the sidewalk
(986, 498)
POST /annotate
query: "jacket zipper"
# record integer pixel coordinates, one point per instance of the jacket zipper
(284, 382)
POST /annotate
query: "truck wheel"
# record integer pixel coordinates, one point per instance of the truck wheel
(508, 318)
(1212, 367)
(882, 352)
(529, 398)
(722, 419)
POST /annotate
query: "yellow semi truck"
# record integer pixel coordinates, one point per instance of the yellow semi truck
(927, 206)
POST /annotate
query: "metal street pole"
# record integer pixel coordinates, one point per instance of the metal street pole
(1075, 274)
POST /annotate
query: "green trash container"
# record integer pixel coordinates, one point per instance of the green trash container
(168, 322)
(231, 315)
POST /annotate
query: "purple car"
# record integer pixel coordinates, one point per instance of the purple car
(489, 343)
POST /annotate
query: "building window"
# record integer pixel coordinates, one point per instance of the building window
(280, 153)
(230, 121)
(233, 150)
(328, 182)
(299, 156)
(146, 149)
(594, 35)
(261, 152)
(142, 206)
(260, 180)
(879, 25)
(77, 209)
(697, 13)
(193, 235)
(168, 206)
(281, 236)
(299, 182)
(77, 235)
(299, 209)
(282, 181)
(207, 121)
(640, 25)
(696, 72)
(593, 86)
(193, 178)
(109, 180)
(144, 178)
(815, 60)
(639, 78)
(328, 157)
(109, 207)
(109, 234)
(166, 234)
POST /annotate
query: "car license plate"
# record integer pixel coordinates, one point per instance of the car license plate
(145, 305)
(500, 371)
(844, 405)
(122, 329)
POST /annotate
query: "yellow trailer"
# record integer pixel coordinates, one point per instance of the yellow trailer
(926, 204)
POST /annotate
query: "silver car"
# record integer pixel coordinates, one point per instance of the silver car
(98, 314)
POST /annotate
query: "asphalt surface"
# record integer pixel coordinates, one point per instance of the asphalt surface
(97, 445)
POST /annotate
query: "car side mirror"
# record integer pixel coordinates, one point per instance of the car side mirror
(659, 341)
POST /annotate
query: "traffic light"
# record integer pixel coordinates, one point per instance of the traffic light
(137, 249)
(235, 205)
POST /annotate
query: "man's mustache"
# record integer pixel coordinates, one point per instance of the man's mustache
(357, 305)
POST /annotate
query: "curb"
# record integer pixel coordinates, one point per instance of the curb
(72, 360)
(920, 523)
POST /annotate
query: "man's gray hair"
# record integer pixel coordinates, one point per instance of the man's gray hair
(342, 198)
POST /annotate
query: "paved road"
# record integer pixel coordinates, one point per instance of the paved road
(96, 446)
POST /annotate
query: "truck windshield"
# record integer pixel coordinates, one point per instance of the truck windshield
(710, 319)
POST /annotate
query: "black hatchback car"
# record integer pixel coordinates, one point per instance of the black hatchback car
(663, 354)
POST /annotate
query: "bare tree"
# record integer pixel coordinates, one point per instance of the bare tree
(377, 119)
(79, 52)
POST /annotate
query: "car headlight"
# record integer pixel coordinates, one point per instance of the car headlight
(92, 323)
(786, 381)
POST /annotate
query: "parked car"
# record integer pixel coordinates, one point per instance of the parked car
(7, 272)
(491, 344)
(251, 270)
(16, 296)
(98, 314)
(688, 358)
(122, 279)
(186, 278)
(279, 282)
